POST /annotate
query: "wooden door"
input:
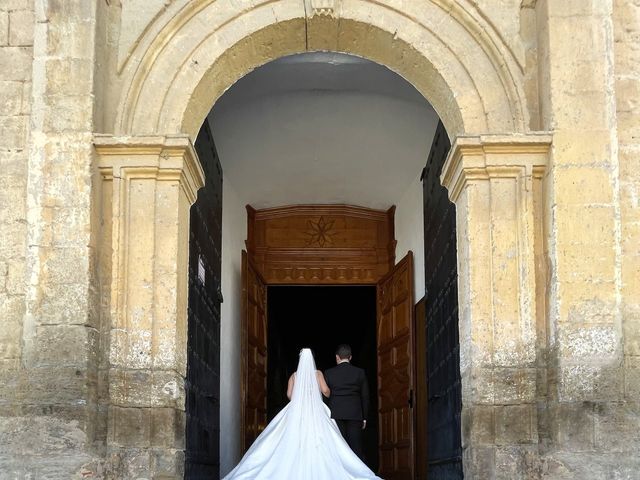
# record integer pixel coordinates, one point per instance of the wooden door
(444, 395)
(396, 371)
(254, 353)
(202, 384)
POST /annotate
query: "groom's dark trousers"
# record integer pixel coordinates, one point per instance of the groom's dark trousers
(349, 402)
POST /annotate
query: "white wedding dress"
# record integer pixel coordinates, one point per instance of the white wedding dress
(302, 442)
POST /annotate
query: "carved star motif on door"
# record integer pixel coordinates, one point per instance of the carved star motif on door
(320, 232)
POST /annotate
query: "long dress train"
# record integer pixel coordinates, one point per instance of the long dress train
(302, 442)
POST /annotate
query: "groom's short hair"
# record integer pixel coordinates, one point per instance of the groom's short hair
(343, 351)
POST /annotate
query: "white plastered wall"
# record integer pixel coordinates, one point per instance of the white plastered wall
(234, 227)
(409, 225)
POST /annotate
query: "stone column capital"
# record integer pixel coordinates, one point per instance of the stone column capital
(483, 157)
(169, 158)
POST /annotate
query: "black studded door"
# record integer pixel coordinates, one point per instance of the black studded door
(444, 396)
(202, 455)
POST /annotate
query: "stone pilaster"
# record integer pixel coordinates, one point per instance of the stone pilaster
(148, 186)
(496, 184)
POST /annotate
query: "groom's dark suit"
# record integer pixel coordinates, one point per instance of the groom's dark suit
(349, 402)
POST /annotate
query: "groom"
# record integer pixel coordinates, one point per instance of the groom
(349, 400)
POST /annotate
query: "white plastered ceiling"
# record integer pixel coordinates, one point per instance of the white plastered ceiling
(322, 128)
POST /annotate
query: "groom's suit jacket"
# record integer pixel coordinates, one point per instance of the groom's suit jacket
(349, 399)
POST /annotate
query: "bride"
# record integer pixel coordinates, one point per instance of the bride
(302, 442)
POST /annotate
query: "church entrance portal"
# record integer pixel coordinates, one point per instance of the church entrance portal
(316, 276)
(319, 318)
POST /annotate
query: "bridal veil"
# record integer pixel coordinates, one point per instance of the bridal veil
(302, 442)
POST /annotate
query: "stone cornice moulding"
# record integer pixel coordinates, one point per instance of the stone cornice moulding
(170, 157)
(483, 157)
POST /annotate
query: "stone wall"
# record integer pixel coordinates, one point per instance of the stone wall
(588, 428)
(49, 345)
(16, 58)
(626, 34)
(16, 55)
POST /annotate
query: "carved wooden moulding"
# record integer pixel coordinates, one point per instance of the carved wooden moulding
(321, 244)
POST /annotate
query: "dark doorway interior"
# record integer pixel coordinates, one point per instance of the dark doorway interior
(320, 318)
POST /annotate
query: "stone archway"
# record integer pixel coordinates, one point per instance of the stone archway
(189, 56)
(454, 57)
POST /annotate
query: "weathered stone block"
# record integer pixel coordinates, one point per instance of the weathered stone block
(514, 424)
(627, 93)
(13, 131)
(55, 385)
(632, 377)
(21, 23)
(582, 185)
(617, 426)
(11, 310)
(571, 8)
(628, 127)
(65, 266)
(481, 461)
(130, 426)
(585, 302)
(584, 382)
(584, 147)
(11, 313)
(16, 4)
(586, 225)
(146, 388)
(68, 76)
(26, 98)
(588, 341)
(70, 40)
(13, 249)
(64, 306)
(62, 12)
(11, 97)
(478, 426)
(167, 428)
(11, 189)
(20, 59)
(168, 464)
(66, 345)
(567, 465)
(70, 226)
(477, 386)
(572, 425)
(4, 28)
(516, 463)
(514, 385)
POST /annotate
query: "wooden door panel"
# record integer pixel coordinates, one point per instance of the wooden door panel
(254, 353)
(395, 371)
